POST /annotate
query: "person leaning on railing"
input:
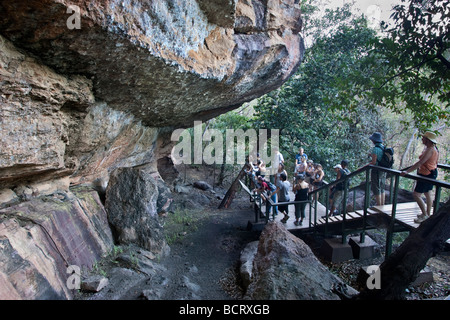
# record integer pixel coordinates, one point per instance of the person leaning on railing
(427, 167)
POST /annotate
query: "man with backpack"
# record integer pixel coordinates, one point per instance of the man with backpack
(269, 187)
(338, 193)
(377, 177)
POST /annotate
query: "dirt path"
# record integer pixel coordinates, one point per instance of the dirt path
(201, 265)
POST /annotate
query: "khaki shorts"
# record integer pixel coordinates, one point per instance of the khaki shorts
(377, 181)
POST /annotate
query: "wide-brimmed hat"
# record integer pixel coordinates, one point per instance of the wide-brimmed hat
(430, 136)
(376, 137)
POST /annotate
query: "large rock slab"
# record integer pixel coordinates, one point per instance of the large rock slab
(285, 268)
(52, 127)
(82, 102)
(76, 104)
(41, 238)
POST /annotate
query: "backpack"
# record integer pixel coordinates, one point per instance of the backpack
(271, 186)
(387, 160)
(344, 172)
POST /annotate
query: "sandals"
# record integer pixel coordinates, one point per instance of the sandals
(285, 219)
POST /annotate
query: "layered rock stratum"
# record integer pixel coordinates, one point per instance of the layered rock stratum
(89, 87)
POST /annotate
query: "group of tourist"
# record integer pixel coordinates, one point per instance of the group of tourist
(308, 176)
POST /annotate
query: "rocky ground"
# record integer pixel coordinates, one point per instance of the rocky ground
(437, 267)
(205, 245)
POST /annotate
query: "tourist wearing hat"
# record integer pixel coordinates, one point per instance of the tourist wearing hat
(377, 177)
(427, 167)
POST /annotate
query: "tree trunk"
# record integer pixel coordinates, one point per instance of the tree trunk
(229, 196)
(405, 154)
(403, 266)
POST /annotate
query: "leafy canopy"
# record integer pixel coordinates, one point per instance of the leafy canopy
(408, 69)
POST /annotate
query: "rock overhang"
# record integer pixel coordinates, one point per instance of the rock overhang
(167, 63)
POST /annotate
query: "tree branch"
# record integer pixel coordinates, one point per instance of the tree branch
(443, 60)
(419, 65)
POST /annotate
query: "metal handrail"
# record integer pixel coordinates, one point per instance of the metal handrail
(366, 168)
(396, 175)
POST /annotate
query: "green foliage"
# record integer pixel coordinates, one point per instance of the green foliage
(408, 68)
(179, 223)
(352, 79)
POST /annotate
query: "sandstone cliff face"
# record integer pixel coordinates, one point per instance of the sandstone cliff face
(76, 104)
(77, 101)
(164, 61)
(40, 239)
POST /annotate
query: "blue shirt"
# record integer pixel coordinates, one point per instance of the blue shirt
(298, 157)
(378, 150)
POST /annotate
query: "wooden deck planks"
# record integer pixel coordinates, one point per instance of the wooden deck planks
(405, 213)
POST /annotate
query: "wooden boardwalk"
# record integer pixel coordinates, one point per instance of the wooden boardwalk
(405, 213)
(355, 215)
(290, 223)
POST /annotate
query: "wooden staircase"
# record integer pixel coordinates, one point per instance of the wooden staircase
(350, 216)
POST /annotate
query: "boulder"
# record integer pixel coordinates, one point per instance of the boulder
(94, 283)
(202, 185)
(285, 268)
(165, 199)
(131, 204)
(7, 197)
(246, 262)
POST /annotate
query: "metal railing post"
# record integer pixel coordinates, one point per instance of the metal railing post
(315, 209)
(391, 188)
(390, 231)
(344, 209)
(310, 209)
(366, 205)
(437, 199)
(255, 198)
(327, 195)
